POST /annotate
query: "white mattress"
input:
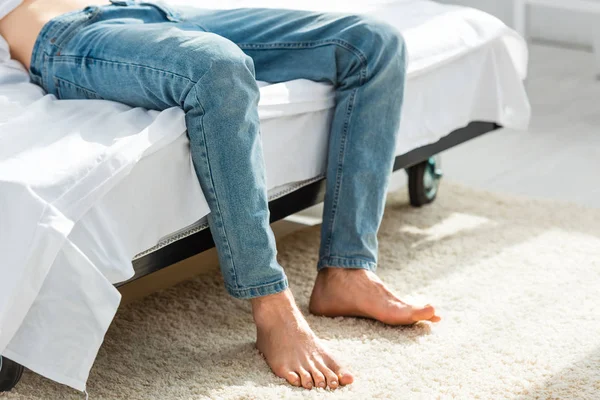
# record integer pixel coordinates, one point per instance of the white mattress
(465, 65)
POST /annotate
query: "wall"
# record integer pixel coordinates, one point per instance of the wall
(544, 23)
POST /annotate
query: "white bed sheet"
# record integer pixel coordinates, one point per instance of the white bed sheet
(464, 65)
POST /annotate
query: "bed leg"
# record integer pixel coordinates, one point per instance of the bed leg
(10, 374)
(424, 181)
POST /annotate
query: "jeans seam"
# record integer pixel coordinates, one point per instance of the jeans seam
(44, 77)
(311, 44)
(220, 226)
(60, 81)
(67, 58)
(339, 173)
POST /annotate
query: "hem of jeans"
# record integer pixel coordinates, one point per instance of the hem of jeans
(345, 262)
(258, 291)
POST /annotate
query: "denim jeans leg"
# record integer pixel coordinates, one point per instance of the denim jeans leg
(365, 60)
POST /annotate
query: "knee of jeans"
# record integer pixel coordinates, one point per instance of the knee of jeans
(380, 42)
(227, 58)
(222, 67)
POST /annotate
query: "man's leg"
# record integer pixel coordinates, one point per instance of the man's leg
(366, 62)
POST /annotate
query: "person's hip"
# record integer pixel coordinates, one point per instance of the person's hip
(57, 32)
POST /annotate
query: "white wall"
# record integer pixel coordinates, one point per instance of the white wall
(544, 23)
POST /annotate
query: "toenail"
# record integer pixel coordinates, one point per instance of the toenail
(321, 384)
(333, 383)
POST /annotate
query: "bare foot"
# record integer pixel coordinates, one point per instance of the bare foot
(360, 293)
(291, 348)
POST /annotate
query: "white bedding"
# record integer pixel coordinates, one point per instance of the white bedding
(80, 223)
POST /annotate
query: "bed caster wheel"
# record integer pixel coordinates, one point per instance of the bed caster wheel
(10, 374)
(424, 181)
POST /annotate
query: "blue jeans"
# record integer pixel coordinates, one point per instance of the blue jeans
(207, 63)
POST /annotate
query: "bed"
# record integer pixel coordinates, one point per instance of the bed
(465, 78)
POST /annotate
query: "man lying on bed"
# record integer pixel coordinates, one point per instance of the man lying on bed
(207, 62)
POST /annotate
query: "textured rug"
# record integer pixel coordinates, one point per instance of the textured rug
(517, 282)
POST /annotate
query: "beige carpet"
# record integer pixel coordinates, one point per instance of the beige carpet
(517, 282)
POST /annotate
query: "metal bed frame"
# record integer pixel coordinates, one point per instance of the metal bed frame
(424, 174)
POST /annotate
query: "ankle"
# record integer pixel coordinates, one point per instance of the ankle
(274, 306)
(337, 274)
(330, 272)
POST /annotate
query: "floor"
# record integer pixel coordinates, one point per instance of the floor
(559, 156)
(492, 264)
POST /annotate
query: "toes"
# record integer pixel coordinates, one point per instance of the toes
(435, 318)
(344, 377)
(423, 313)
(286, 373)
(293, 378)
(318, 377)
(305, 378)
(330, 376)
